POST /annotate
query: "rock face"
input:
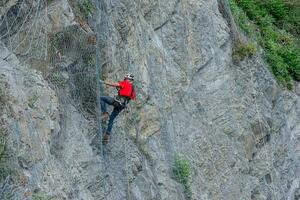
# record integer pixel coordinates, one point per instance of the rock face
(235, 125)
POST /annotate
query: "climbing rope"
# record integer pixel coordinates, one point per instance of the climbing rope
(98, 72)
(129, 68)
(110, 59)
(100, 8)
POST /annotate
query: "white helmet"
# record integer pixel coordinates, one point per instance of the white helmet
(129, 76)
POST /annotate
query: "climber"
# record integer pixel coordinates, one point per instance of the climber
(126, 93)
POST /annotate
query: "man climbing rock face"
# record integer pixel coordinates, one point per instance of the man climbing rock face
(126, 93)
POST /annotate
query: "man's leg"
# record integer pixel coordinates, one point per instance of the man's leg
(105, 100)
(113, 115)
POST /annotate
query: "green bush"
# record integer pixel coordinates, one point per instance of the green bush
(292, 21)
(49, 2)
(266, 22)
(4, 156)
(182, 174)
(87, 7)
(244, 50)
(276, 8)
(32, 100)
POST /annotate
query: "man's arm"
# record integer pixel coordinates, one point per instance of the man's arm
(110, 83)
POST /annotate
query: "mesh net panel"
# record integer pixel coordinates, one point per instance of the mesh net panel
(64, 54)
(47, 36)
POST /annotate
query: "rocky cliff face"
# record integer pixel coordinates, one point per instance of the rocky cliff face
(238, 129)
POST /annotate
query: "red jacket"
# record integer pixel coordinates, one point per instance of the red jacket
(126, 89)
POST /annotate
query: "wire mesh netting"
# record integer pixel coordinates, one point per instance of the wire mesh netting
(63, 51)
(49, 37)
(55, 38)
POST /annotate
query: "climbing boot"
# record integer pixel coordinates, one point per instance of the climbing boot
(105, 139)
(104, 115)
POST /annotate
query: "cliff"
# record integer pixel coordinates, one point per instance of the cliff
(203, 127)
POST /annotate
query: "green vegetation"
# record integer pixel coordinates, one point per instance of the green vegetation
(182, 174)
(86, 8)
(49, 1)
(3, 98)
(4, 153)
(244, 50)
(39, 196)
(32, 100)
(83, 8)
(275, 24)
(5, 170)
(3, 132)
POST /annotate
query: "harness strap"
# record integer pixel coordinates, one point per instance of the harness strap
(122, 101)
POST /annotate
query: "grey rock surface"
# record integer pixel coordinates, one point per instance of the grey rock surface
(235, 125)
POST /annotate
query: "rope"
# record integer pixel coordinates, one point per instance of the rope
(98, 72)
(125, 144)
(108, 40)
(101, 16)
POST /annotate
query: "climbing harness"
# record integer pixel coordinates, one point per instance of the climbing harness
(120, 102)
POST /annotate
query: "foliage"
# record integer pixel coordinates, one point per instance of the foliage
(3, 153)
(3, 98)
(86, 8)
(182, 174)
(242, 19)
(49, 1)
(275, 25)
(32, 100)
(292, 21)
(244, 50)
(39, 196)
